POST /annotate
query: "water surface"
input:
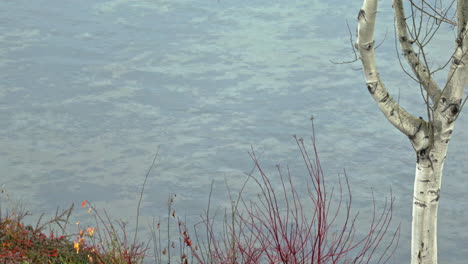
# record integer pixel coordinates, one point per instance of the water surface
(89, 89)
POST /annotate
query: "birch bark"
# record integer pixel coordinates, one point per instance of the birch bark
(429, 138)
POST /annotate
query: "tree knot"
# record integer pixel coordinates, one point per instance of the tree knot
(372, 86)
(451, 108)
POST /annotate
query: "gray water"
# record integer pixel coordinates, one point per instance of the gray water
(90, 89)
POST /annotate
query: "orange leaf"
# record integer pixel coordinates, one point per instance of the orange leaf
(91, 231)
(83, 204)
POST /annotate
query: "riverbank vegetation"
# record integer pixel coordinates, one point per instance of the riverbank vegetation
(280, 225)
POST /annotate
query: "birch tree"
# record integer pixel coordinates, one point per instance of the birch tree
(429, 136)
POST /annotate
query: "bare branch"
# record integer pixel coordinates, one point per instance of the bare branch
(419, 69)
(437, 16)
(351, 41)
(353, 48)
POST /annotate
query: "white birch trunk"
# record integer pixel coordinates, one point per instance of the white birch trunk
(429, 139)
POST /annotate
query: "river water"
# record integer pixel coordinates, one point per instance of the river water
(90, 89)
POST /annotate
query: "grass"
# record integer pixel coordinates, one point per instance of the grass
(281, 225)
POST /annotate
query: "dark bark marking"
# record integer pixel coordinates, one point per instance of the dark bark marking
(385, 98)
(420, 204)
(459, 39)
(437, 194)
(362, 14)
(411, 137)
(392, 112)
(420, 252)
(424, 181)
(423, 155)
(369, 46)
(454, 109)
(371, 87)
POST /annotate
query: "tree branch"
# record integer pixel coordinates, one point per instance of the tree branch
(419, 69)
(452, 94)
(462, 15)
(396, 115)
